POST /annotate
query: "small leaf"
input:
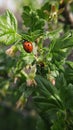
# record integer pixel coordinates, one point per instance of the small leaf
(32, 36)
(46, 85)
(32, 20)
(70, 63)
(64, 42)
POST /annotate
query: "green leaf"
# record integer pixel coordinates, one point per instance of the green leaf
(70, 64)
(47, 104)
(8, 28)
(44, 12)
(60, 49)
(59, 124)
(27, 90)
(65, 91)
(31, 19)
(46, 85)
(64, 42)
(48, 94)
(57, 104)
(69, 96)
(68, 73)
(32, 36)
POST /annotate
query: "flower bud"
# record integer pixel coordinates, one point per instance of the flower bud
(11, 51)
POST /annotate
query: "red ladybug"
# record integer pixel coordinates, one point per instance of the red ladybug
(28, 47)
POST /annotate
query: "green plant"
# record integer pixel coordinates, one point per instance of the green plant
(45, 74)
(54, 103)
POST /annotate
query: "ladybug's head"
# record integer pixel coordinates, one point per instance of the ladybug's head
(24, 40)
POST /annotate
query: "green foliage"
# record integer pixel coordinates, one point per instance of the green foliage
(32, 20)
(43, 79)
(55, 102)
(8, 28)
